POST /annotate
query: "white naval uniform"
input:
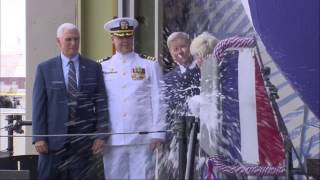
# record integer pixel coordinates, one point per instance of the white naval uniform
(133, 87)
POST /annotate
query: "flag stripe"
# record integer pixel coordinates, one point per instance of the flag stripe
(230, 106)
(247, 107)
(271, 149)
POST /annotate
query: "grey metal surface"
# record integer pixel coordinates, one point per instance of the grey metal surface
(14, 175)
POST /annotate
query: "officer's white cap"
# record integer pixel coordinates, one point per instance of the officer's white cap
(123, 26)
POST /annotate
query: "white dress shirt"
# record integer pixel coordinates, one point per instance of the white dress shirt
(65, 67)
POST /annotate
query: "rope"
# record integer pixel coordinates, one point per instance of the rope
(233, 42)
(87, 134)
(245, 169)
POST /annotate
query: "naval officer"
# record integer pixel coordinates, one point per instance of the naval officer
(133, 85)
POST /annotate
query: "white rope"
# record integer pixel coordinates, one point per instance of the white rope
(87, 134)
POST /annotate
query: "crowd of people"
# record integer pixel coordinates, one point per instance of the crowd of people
(121, 109)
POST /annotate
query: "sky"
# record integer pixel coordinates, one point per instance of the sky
(12, 26)
(12, 38)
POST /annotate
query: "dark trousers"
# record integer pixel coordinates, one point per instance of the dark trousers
(69, 163)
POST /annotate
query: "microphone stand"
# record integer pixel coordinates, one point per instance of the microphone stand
(17, 127)
(187, 149)
(192, 147)
(180, 126)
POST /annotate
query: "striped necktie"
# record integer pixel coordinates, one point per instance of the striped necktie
(72, 91)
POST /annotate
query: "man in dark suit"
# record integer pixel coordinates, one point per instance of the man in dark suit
(69, 97)
(181, 83)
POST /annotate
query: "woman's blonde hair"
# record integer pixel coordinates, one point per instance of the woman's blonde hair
(203, 45)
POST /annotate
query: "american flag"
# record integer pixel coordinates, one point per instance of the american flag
(249, 138)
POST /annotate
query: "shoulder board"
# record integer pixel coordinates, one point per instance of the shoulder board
(102, 60)
(151, 58)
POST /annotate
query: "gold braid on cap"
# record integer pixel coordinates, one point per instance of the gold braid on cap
(122, 31)
(122, 34)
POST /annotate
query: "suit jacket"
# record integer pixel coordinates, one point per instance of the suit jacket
(50, 101)
(178, 88)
